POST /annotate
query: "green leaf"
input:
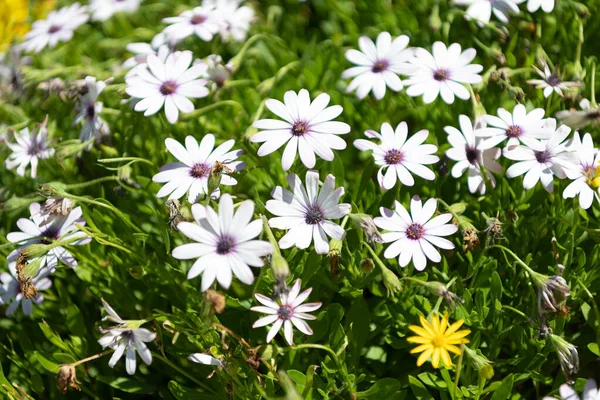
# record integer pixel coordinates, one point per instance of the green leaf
(496, 286)
(381, 389)
(505, 390)
(593, 347)
(53, 337)
(184, 393)
(129, 385)
(47, 364)
(418, 389)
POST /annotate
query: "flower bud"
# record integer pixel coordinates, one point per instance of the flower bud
(440, 290)
(552, 294)
(367, 265)
(581, 9)
(365, 223)
(458, 208)
(67, 377)
(435, 22)
(335, 248)
(567, 355)
(391, 282)
(479, 362)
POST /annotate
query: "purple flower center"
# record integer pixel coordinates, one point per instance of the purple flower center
(168, 88)
(393, 157)
(313, 215)
(197, 19)
(34, 148)
(49, 235)
(514, 131)
(200, 170)
(441, 74)
(415, 231)
(299, 128)
(472, 154)
(553, 80)
(380, 66)
(543, 156)
(285, 312)
(54, 29)
(90, 111)
(225, 245)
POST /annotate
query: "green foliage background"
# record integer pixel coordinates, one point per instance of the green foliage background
(295, 45)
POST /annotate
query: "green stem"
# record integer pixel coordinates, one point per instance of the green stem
(92, 182)
(593, 87)
(537, 278)
(379, 263)
(480, 386)
(458, 370)
(119, 159)
(182, 372)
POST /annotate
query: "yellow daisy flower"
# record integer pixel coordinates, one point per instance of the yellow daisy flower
(15, 16)
(436, 339)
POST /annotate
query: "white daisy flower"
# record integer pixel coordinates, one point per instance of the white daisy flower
(550, 82)
(308, 129)
(225, 244)
(126, 338)
(515, 127)
(102, 10)
(57, 27)
(399, 156)
(590, 392)
(481, 10)
(47, 228)
(10, 290)
(307, 212)
(443, 73)
(585, 175)
(89, 109)
(170, 83)
(546, 5)
(378, 65)
(216, 71)
(196, 162)
(29, 149)
(289, 312)
(542, 160)
(467, 150)
(414, 235)
(202, 21)
(589, 114)
(235, 19)
(205, 359)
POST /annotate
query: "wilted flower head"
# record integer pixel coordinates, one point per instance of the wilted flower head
(216, 71)
(89, 108)
(580, 119)
(57, 206)
(67, 377)
(365, 223)
(552, 294)
(441, 290)
(567, 355)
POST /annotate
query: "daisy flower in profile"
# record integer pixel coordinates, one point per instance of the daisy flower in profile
(586, 172)
(467, 151)
(89, 109)
(414, 236)
(11, 291)
(126, 338)
(167, 83)
(436, 339)
(378, 65)
(546, 5)
(102, 10)
(481, 10)
(202, 21)
(399, 158)
(57, 27)
(289, 312)
(216, 71)
(29, 149)
(514, 127)
(196, 165)
(589, 114)
(306, 213)
(550, 82)
(47, 228)
(206, 359)
(542, 160)
(590, 392)
(235, 19)
(443, 73)
(307, 129)
(224, 243)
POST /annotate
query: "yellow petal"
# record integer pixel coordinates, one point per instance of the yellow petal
(455, 326)
(452, 348)
(424, 357)
(458, 335)
(446, 358)
(420, 331)
(421, 348)
(427, 326)
(418, 339)
(435, 359)
(435, 323)
(444, 324)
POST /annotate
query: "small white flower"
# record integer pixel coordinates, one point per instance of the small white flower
(414, 235)
(585, 174)
(205, 359)
(308, 129)
(57, 27)
(550, 82)
(11, 290)
(235, 20)
(590, 392)
(170, 83)
(443, 73)
(225, 244)
(141, 51)
(89, 109)
(546, 5)
(542, 160)
(481, 10)
(46, 228)
(378, 65)
(196, 162)
(399, 156)
(29, 149)
(580, 119)
(125, 339)
(515, 127)
(216, 71)
(467, 150)
(202, 21)
(307, 212)
(102, 10)
(291, 312)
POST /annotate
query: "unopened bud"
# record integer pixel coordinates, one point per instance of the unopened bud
(567, 355)
(335, 248)
(367, 265)
(34, 251)
(440, 290)
(479, 362)
(216, 300)
(391, 282)
(581, 9)
(365, 223)
(435, 22)
(67, 377)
